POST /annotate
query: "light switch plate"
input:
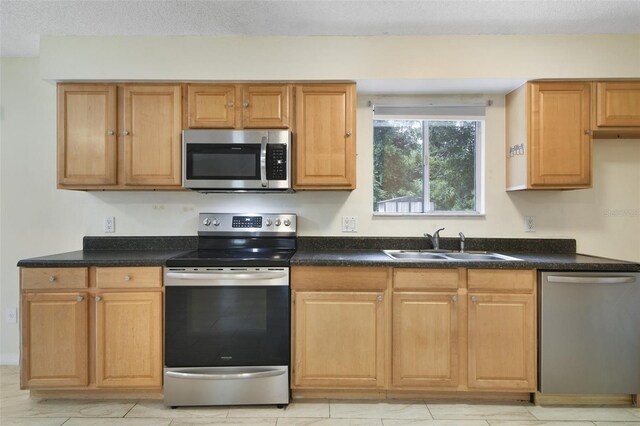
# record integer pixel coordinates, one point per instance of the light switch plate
(12, 315)
(349, 223)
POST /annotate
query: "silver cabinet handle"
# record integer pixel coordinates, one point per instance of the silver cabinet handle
(245, 104)
(474, 299)
(98, 298)
(349, 133)
(127, 278)
(222, 376)
(52, 278)
(380, 298)
(588, 132)
(454, 299)
(110, 132)
(79, 298)
(230, 104)
(125, 132)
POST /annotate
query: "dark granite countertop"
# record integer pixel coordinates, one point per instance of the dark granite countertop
(102, 258)
(545, 261)
(117, 251)
(547, 254)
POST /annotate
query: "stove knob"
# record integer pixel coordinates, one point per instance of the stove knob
(287, 222)
(216, 222)
(277, 222)
(206, 221)
(268, 222)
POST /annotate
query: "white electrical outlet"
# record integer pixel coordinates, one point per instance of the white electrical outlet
(109, 224)
(349, 223)
(529, 224)
(12, 315)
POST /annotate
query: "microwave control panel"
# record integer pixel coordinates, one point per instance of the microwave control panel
(276, 162)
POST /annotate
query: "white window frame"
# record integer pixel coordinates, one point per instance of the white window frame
(479, 166)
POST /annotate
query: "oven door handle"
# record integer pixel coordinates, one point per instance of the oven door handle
(263, 161)
(227, 275)
(232, 376)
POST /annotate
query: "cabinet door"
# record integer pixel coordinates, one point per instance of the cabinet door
(560, 151)
(212, 106)
(129, 339)
(265, 106)
(325, 148)
(54, 340)
(87, 127)
(425, 339)
(152, 129)
(339, 339)
(502, 342)
(618, 104)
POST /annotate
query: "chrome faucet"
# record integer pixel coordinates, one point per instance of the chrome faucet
(435, 238)
(461, 242)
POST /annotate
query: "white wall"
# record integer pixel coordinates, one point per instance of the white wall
(37, 219)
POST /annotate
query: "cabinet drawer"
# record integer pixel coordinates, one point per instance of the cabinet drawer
(54, 278)
(518, 281)
(425, 279)
(338, 278)
(129, 277)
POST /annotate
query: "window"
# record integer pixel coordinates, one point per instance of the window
(427, 165)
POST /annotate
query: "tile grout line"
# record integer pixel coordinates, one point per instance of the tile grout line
(428, 409)
(129, 410)
(68, 418)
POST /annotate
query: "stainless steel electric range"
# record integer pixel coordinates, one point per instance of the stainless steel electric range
(227, 312)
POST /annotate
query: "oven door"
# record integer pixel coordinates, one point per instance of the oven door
(226, 317)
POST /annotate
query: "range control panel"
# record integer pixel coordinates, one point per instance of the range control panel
(249, 224)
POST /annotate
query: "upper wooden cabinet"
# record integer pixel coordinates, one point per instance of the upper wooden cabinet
(87, 141)
(249, 106)
(617, 105)
(152, 135)
(551, 124)
(142, 152)
(549, 136)
(325, 137)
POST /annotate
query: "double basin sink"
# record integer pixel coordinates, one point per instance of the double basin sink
(427, 255)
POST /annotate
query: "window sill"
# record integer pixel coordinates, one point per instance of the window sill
(431, 214)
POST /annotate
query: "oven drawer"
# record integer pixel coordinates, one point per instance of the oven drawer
(226, 385)
(129, 277)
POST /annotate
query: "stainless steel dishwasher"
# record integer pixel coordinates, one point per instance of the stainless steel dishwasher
(589, 333)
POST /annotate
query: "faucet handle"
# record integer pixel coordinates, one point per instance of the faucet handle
(437, 233)
(461, 236)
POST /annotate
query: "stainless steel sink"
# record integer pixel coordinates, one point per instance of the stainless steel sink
(430, 256)
(480, 256)
(414, 254)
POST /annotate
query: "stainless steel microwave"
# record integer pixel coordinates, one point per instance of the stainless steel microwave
(236, 160)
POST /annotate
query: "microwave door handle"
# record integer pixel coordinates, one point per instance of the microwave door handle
(263, 161)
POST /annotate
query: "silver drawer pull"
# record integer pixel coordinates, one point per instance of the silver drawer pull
(125, 133)
(454, 299)
(110, 132)
(245, 104)
(52, 278)
(474, 299)
(79, 299)
(127, 278)
(349, 133)
(98, 298)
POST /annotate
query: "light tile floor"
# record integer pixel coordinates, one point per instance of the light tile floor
(18, 409)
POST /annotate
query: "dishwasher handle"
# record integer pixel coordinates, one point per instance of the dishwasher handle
(590, 280)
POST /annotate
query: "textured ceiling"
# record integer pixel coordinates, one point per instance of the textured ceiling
(22, 22)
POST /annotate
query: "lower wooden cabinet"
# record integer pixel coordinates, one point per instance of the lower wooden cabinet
(339, 339)
(425, 339)
(502, 344)
(55, 339)
(60, 326)
(129, 339)
(444, 330)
